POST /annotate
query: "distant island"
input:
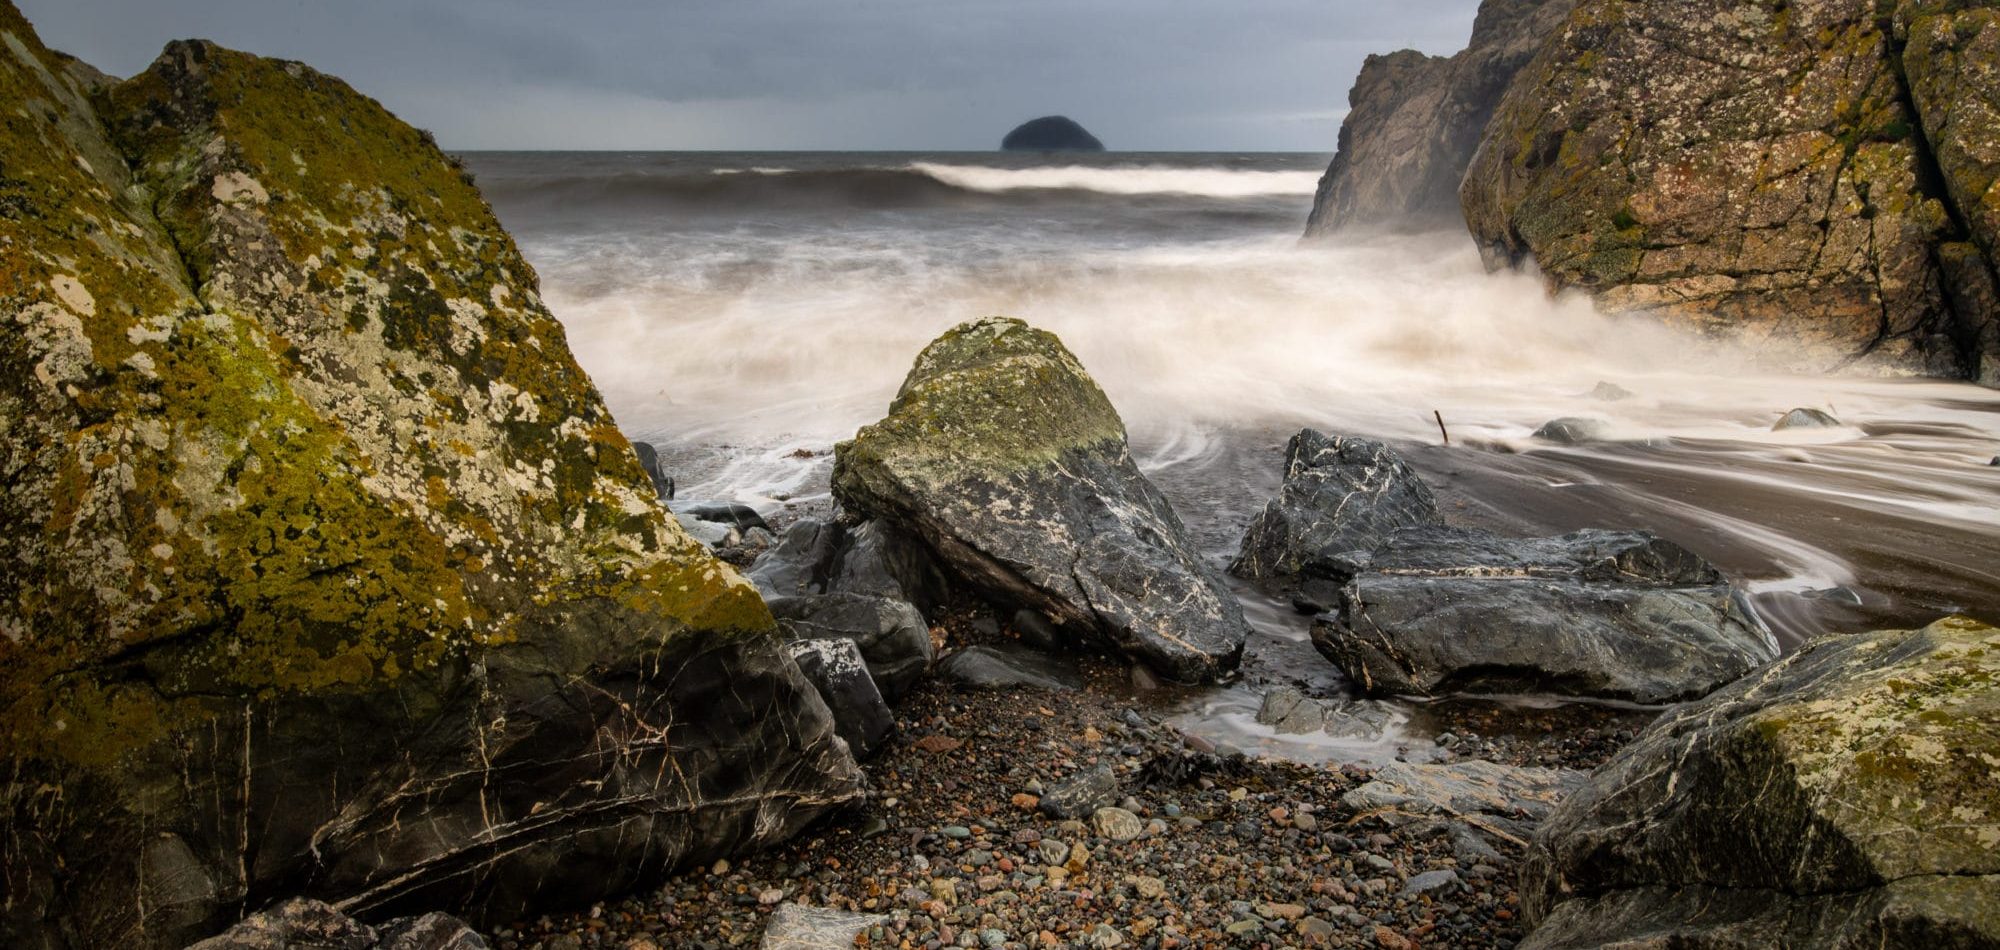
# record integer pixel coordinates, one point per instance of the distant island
(1050, 133)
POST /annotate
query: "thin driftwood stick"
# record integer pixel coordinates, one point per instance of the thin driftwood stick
(1439, 416)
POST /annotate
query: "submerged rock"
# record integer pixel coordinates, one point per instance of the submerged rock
(1805, 419)
(1572, 430)
(1505, 798)
(1004, 458)
(1341, 496)
(1842, 796)
(325, 568)
(1050, 133)
(1820, 178)
(1415, 121)
(1613, 614)
(300, 923)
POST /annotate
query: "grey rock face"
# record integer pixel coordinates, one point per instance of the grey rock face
(1842, 796)
(835, 667)
(1006, 666)
(1004, 458)
(1415, 121)
(298, 924)
(1613, 614)
(1341, 495)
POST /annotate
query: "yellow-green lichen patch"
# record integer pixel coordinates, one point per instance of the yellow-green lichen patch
(1905, 760)
(988, 397)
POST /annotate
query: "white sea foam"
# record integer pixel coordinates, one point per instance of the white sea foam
(1205, 182)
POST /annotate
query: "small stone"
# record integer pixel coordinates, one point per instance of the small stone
(937, 745)
(957, 832)
(1430, 881)
(1102, 937)
(720, 867)
(1054, 851)
(1117, 824)
(1248, 925)
(1305, 822)
(770, 896)
(1150, 888)
(1026, 802)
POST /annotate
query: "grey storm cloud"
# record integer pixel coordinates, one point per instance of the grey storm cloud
(811, 74)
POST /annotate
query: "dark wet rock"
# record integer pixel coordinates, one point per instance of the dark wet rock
(796, 927)
(1609, 392)
(1050, 133)
(1341, 495)
(1415, 120)
(649, 459)
(1036, 631)
(1006, 666)
(1805, 419)
(1613, 614)
(301, 924)
(836, 668)
(1839, 797)
(1082, 794)
(827, 557)
(1820, 178)
(1430, 881)
(326, 571)
(1291, 712)
(1572, 430)
(742, 518)
(890, 634)
(1004, 458)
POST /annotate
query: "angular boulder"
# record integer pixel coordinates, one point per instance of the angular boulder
(1815, 176)
(1610, 614)
(1342, 497)
(1414, 121)
(827, 579)
(835, 667)
(1004, 459)
(326, 571)
(1843, 796)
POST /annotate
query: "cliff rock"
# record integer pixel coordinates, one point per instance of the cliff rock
(1415, 120)
(1815, 175)
(1841, 797)
(326, 571)
(1003, 457)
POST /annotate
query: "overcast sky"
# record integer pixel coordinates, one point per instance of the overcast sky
(806, 74)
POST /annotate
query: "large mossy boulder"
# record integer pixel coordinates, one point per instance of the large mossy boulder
(1003, 457)
(1415, 120)
(325, 569)
(1814, 175)
(1842, 797)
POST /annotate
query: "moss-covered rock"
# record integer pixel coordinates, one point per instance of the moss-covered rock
(1002, 455)
(1757, 169)
(1843, 796)
(325, 569)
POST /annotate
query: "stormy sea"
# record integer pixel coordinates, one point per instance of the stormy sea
(744, 312)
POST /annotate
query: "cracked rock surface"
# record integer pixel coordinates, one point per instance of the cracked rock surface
(1004, 458)
(1842, 796)
(326, 570)
(1814, 175)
